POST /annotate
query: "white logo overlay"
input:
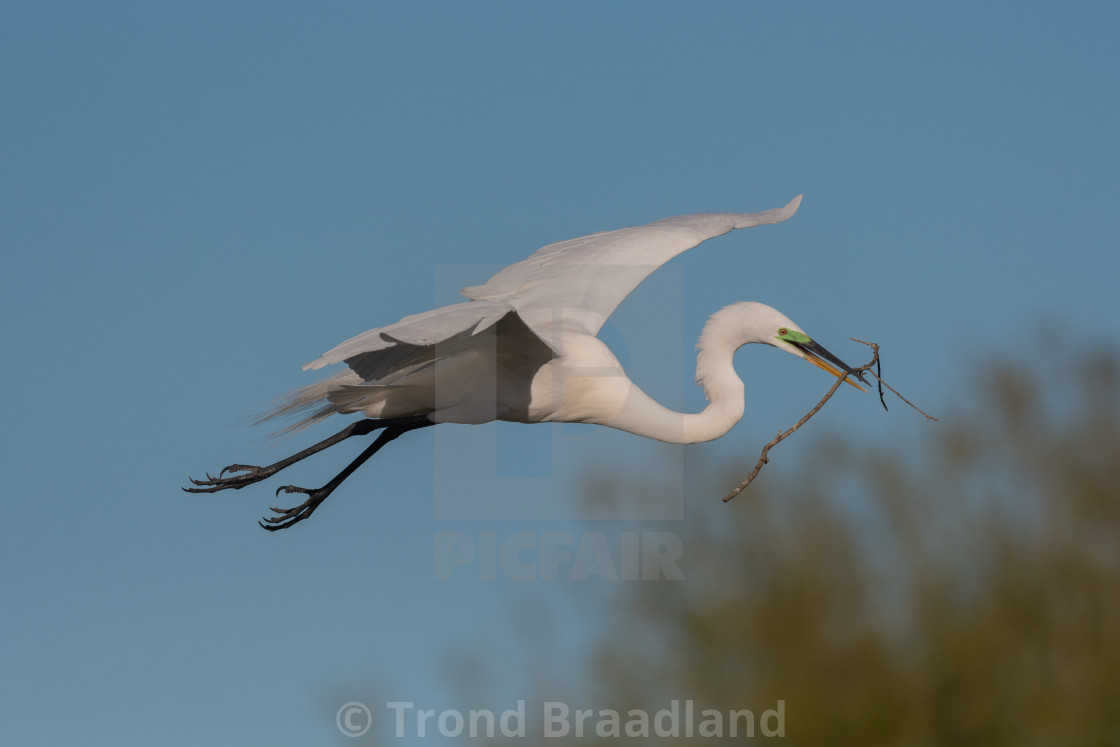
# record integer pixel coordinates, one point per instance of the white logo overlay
(551, 556)
(520, 473)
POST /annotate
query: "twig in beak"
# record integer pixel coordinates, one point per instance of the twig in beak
(765, 459)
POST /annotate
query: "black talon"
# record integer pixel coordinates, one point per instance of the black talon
(286, 517)
(237, 476)
(248, 469)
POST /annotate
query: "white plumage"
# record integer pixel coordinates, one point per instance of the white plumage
(525, 348)
(511, 352)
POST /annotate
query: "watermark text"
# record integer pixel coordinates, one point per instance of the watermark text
(551, 556)
(557, 719)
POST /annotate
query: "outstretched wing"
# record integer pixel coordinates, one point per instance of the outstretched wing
(585, 279)
(381, 352)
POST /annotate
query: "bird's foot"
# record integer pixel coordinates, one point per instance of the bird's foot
(286, 517)
(249, 475)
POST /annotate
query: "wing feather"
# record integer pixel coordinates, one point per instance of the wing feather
(418, 330)
(582, 279)
(588, 277)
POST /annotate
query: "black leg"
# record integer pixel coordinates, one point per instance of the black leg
(287, 517)
(251, 474)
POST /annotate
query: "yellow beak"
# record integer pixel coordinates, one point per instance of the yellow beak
(824, 365)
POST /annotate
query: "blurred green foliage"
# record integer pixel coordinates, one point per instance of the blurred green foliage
(961, 588)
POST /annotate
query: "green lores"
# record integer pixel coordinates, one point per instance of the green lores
(792, 335)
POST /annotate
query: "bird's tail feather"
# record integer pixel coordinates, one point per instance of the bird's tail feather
(310, 404)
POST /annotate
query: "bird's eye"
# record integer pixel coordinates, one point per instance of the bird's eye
(783, 331)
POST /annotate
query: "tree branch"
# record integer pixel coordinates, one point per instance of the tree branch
(765, 459)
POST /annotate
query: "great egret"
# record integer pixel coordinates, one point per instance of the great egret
(525, 349)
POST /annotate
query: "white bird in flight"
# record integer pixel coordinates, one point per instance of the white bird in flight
(525, 349)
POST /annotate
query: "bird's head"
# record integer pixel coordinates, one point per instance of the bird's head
(787, 336)
(750, 321)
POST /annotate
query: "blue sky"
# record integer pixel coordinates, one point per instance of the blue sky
(199, 198)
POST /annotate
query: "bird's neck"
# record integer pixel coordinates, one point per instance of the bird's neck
(715, 372)
(643, 416)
